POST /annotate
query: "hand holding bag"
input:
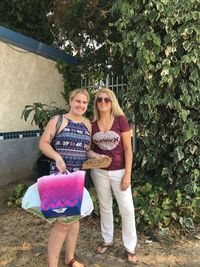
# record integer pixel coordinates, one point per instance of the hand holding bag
(31, 203)
(61, 194)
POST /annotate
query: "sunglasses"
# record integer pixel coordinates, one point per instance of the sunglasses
(105, 99)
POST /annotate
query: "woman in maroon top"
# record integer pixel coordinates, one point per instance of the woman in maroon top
(111, 137)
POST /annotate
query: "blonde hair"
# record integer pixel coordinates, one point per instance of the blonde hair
(115, 107)
(79, 91)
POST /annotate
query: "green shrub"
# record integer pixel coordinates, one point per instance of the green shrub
(15, 196)
(160, 45)
(155, 207)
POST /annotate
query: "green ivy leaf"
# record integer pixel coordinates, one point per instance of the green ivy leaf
(189, 162)
(179, 153)
(156, 40)
(195, 173)
(187, 45)
(194, 75)
(186, 222)
(144, 161)
(184, 114)
(174, 215)
(165, 171)
(188, 134)
(166, 203)
(195, 15)
(196, 203)
(148, 187)
(160, 7)
(178, 198)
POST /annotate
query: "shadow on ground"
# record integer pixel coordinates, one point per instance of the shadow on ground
(24, 243)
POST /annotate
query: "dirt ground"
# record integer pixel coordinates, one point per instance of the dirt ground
(23, 242)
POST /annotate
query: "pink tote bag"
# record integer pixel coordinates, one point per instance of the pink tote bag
(61, 194)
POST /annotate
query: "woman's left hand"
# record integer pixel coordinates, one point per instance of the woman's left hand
(125, 183)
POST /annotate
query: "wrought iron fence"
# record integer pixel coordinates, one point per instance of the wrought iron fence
(115, 83)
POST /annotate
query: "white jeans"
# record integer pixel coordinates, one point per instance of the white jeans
(105, 183)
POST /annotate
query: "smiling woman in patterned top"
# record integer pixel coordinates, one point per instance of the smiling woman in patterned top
(68, 153)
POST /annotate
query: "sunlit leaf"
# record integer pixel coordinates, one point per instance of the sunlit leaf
(184, 114)
(165, 171)
(174, 215)
(179, 153)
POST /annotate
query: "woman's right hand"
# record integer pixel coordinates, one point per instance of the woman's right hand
(60, 164)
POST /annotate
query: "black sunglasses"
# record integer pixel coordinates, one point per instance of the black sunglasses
(105, 99)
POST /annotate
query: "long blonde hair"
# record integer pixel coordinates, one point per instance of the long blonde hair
(79, 91)
(115, 107)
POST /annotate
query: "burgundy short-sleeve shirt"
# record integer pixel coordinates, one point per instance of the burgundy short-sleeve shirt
(110, 143)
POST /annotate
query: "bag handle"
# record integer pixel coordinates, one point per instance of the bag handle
(59, 122)
(66, 173)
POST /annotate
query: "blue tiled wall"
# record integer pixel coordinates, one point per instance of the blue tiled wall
(20, 134)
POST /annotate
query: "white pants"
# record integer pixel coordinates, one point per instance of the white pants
(105, 183)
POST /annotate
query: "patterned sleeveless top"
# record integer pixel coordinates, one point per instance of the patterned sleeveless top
(71, 143)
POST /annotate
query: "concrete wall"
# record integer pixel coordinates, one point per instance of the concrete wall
(25, 78)
(17, 159)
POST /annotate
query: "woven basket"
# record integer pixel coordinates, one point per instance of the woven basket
(97, 163)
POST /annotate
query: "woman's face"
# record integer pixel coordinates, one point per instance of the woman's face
(79, 104)
(104, 103)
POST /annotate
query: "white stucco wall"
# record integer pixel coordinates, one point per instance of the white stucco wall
(25, 78)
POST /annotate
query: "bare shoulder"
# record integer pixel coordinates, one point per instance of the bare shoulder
(54, 118)
(87, 123)
(52, 122)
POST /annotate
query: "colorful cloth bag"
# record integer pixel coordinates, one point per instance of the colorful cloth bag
(61, 194)
(31, 203)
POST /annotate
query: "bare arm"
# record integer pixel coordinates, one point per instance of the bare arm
(126, 139)
(45, 144)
